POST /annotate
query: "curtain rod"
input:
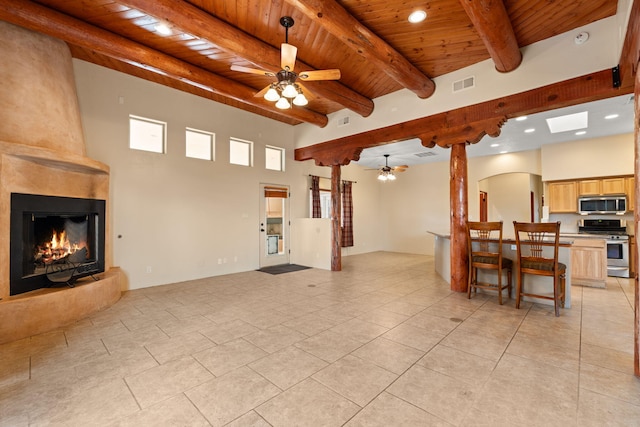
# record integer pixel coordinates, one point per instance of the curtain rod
(323, 177)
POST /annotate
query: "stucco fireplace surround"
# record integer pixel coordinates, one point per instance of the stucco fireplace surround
(42, 152)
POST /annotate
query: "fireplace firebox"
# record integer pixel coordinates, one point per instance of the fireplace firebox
(54, 241)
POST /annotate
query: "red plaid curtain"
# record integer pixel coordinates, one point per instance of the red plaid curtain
(347, 214)
(315, 197)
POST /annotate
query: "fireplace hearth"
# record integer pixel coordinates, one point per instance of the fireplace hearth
(55, 241)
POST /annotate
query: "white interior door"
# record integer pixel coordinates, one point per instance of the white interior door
(274, 225)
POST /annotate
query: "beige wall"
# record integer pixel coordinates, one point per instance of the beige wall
(178, 216)
(508, 199)
(418, 201)
(607, 156)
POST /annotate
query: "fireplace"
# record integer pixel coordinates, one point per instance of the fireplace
(55, 241)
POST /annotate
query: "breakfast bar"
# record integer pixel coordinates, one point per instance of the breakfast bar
(536, 284)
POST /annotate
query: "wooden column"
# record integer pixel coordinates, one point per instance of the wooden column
(336, 230)
(636, 219)
(459, 208)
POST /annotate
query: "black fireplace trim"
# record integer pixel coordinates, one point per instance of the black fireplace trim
(51, 205)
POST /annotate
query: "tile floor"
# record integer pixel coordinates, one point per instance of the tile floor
(382, 343)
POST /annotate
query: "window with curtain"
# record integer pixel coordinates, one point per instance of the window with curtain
(347, 214)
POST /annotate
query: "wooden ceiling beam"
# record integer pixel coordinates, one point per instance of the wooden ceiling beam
(590, 87)
(341, 24)
(47, 21)
(490, 19)
(199, 23)
(470, 133)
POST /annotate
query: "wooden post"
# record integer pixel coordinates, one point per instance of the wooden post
(459, 206)
(636, 219)
(336, 219)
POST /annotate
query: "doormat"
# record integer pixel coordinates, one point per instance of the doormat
(282, 268)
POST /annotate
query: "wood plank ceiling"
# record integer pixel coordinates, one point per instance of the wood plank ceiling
(377, 50)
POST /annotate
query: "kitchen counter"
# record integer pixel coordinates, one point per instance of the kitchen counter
(534, 283)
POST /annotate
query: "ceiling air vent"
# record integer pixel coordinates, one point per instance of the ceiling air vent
(343, 121)
(425, 154)
(463, 84)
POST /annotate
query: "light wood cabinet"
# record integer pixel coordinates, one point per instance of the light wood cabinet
(589, 187)
(613, 185)
(589, 262)
(630, 190)
(563, 197)
(604, 186)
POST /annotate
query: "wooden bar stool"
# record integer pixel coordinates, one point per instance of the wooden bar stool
(531, 239)
(485, 252)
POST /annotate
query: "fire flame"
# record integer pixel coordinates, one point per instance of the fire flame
(59, 247)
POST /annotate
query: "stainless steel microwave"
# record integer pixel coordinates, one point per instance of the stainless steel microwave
(602, 205)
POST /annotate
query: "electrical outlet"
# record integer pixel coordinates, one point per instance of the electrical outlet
(224, 260)
(148, 269)
(219, 260)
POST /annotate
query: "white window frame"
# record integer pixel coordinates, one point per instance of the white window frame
(153, 139)
(281, 157)
(211, 143)
(249, 144)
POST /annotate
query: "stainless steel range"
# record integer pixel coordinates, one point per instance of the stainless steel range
(615, 232)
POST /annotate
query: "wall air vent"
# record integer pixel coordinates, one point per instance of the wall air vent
(426, 154)
(343, 121)
(463, 84)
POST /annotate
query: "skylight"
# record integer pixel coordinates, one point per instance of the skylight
(569, 122)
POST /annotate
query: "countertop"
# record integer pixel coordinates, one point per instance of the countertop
(565, 239)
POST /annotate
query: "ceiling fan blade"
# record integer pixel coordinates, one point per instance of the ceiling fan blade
(288, 52)
(333, 74)
(400, 168)
(261, 93)
(252, 71)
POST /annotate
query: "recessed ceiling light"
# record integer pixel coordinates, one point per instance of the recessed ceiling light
(569, 122)
(581, 132)
(163, 29)
(530, 130)
(503, 152)
(612, 116)
(417, 16)
(521, 118)
(495, 145)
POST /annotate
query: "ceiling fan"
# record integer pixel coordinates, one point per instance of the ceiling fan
(387, 172)
(287, 90)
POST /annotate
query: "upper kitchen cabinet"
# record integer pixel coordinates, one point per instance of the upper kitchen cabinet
(630, 191)
(603, 186)
(563, 197)
(588, 187)
(613, 185)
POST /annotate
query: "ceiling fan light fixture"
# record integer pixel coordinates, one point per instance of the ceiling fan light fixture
(289, 91)
(391, 176)
(272, 95)
(283, 104)
(300, 100)
(382, 176)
